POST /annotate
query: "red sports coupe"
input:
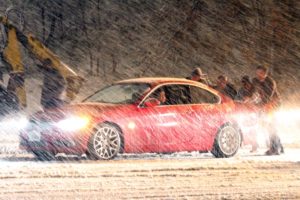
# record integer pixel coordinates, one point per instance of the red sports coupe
(161, 115)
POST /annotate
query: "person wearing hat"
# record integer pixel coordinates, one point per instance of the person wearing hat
(198, 76)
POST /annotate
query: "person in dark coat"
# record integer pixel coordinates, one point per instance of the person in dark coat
(53, 86)
(225, 87)
(8, 102)
(198, 76)
(247, 92)
(270, 99)
(266, 87)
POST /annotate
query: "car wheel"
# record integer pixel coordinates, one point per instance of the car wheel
(227, 142)
(105, 142)
(44, 155)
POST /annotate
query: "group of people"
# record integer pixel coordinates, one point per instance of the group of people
(261, 91)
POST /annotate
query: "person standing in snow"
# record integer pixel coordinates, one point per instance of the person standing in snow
(247, 93)
(270, 100)
(8, 101)
(53, 86)
(225, 87)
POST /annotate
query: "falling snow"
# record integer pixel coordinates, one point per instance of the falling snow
(111, 40)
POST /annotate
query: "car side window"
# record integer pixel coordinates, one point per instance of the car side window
(202, 96)
(156, 93)
(177, 94)
(172, 95)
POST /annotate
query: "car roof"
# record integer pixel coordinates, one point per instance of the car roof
(155, 81)
(160, 80)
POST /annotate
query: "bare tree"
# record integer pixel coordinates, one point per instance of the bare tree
(114, 63)
(98, 41)
(83, 27)
(172, 42)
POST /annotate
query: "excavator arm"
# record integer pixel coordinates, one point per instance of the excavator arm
(42, 53)
(11, 54)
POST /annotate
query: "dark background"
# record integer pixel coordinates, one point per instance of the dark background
(107, 40)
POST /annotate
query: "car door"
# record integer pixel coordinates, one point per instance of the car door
(168, 124)
(206, 117)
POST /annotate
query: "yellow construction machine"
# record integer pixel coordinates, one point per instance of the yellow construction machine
(12, 37)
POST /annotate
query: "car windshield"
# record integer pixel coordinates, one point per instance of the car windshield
(122, 93)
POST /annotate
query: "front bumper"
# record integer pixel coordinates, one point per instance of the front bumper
(53, 140)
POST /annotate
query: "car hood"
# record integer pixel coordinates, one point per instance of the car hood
(80, 109)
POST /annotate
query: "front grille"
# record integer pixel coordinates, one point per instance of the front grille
(41, 127)
(33, 144)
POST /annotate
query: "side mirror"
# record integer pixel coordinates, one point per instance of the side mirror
(152, 102)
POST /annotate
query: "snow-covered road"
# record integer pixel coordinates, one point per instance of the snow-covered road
(152, 176)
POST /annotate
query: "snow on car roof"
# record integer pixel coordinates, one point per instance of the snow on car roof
(158, 80)
(153, 81)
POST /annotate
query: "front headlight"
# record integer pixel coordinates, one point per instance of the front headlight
(15, 123)
(73, 123)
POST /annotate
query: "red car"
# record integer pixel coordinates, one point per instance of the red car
(161, 115)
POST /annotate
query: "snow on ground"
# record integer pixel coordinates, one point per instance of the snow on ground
(174, 176)
(153, 176)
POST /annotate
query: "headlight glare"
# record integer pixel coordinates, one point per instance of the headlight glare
(73, 123)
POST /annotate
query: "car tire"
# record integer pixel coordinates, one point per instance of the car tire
(227, 141)
(105, 142)
(44, 155)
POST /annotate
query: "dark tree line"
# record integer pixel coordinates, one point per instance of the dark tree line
(154, 37)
